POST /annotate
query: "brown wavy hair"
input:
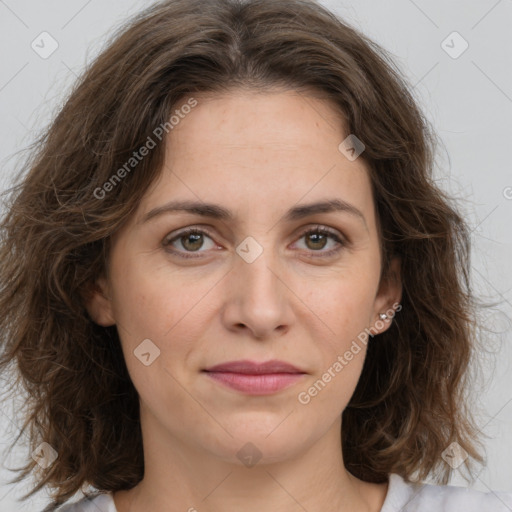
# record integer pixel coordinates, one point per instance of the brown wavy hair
(411, 401)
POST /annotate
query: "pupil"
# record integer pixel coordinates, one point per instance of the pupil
(318, 237)
(196, 237)
(315, 238)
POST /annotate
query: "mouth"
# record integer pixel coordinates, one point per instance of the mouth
(255, 378)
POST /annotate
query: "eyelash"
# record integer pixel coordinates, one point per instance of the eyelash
(316, 230)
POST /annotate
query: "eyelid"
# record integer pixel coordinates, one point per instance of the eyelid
(171, 237)
(322, 228)
(334, 234)
(340, 239)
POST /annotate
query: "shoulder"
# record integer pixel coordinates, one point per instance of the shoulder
(409, 497)
(97, 503)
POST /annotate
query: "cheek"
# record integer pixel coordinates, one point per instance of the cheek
(332, 389)
(151, 305)
(344, 307)
(343, 303)
(146, 302)
(344, 356)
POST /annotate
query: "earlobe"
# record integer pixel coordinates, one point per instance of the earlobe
(387, 302)
(98, 303)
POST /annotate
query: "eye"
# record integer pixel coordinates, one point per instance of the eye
(318, 237)
(192, 240)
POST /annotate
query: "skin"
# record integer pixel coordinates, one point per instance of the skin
(256, 154)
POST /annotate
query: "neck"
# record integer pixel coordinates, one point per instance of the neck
(178, 476)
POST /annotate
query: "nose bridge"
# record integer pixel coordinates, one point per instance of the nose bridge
(259, 296)
(257, 268)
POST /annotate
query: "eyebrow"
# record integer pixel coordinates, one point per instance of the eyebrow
(216, 211)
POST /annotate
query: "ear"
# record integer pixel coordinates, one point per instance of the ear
(388, 297)
(98, 302)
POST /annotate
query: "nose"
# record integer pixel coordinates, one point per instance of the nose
(258, 298)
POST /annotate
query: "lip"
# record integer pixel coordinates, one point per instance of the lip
(255, 378)
(254, 368)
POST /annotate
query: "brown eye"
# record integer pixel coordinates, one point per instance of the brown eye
(316, 241)
(188, 241)
(318, 238)
(192, 241)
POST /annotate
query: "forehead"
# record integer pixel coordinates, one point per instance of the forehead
(259, 150)
(279, 119)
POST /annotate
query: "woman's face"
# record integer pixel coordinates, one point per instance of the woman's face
(253, 284)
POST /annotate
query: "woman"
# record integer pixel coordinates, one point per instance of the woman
(227, 252)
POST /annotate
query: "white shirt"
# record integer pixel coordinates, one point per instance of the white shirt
(401, 497)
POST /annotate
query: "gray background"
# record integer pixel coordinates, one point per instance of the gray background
(468, 99)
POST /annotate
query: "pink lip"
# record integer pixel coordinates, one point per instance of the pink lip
(255, 378)
(255, 368)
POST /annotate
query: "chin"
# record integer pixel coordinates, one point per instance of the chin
(250, 446)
